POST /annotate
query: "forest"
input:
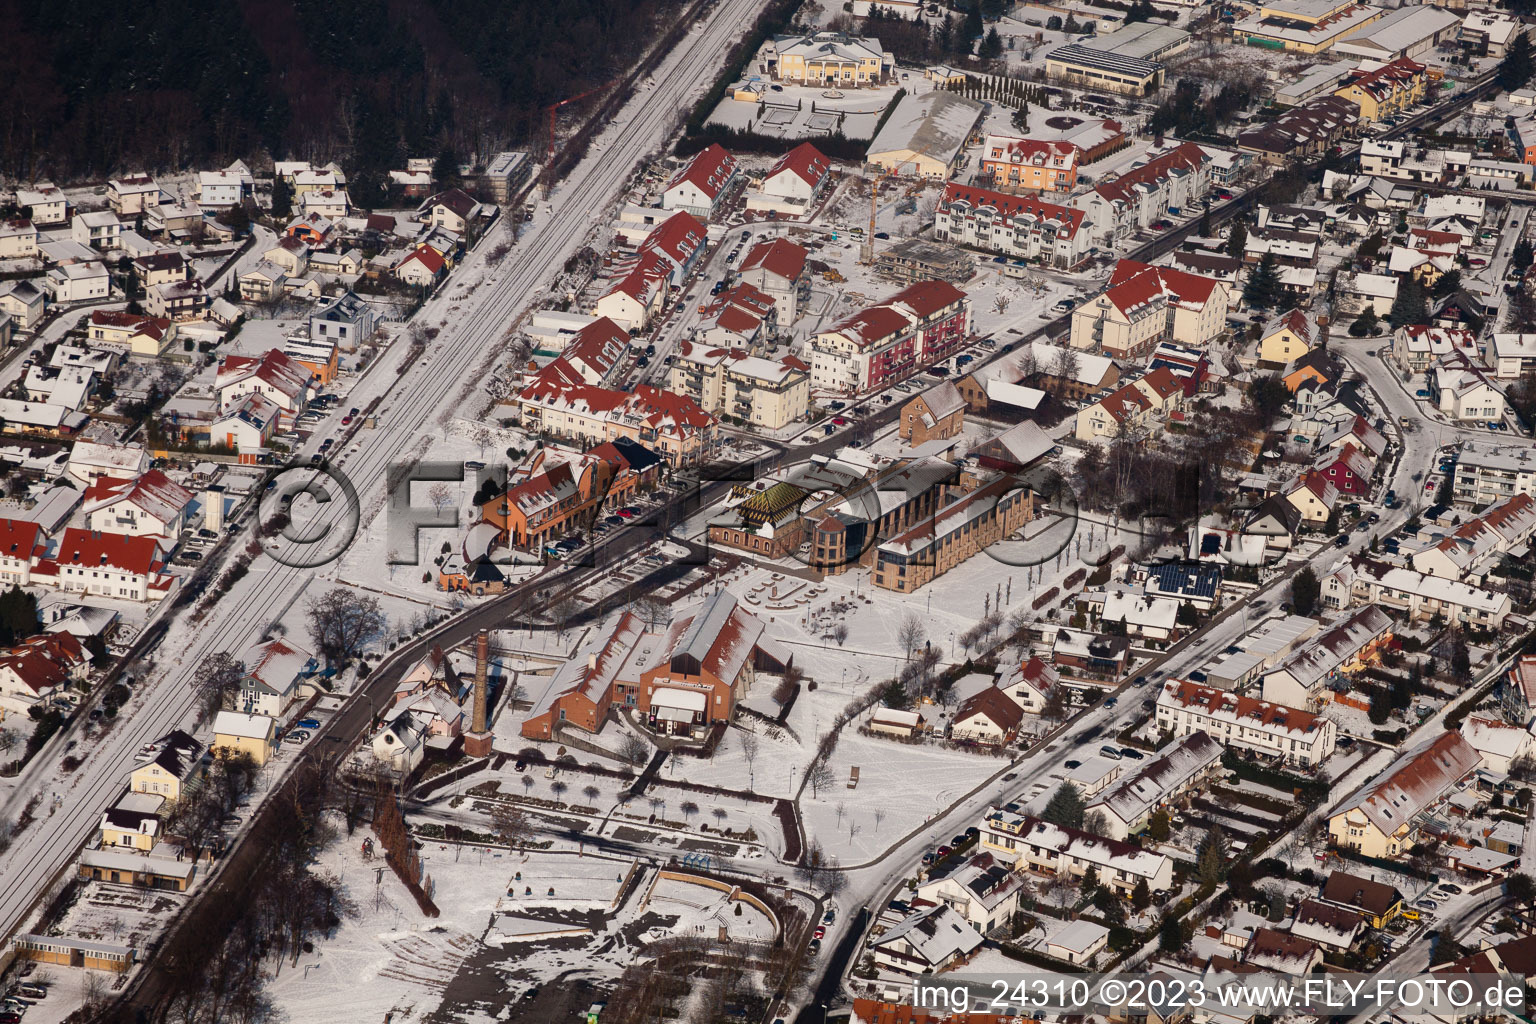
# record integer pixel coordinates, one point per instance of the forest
(94, 88)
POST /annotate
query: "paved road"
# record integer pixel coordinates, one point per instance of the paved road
(412, 404)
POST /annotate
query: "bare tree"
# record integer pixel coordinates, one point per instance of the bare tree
(1067, 364)
(749, 754)
(482, 437)
(689, 809)
(818, 775)
(8, 739)
(634, 749)
(1027, 363)
(510, 825)
(558, 787)
(879, 816)
(840, 633)
(342, 622)
(910, 634)
(591, 793)
(719, 813)
(652, 611)
(441, 496)
(1000, 303)
(217, 680)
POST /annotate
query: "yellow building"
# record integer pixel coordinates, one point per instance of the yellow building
(133, 823)
(1378, 819)
(1382, 90)
(236, 732)
(830, 58)
(1286, 338)
(174, 768)
(67, 952)
(1305, 26)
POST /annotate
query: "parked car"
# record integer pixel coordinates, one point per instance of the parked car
(944, 851)
(1132, 753)
(1110, 752)
(308, 723)
(1072, 764)
(1453, 888)
(829, 916)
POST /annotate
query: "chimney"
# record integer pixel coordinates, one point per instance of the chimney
(213, 507)
(478, 741)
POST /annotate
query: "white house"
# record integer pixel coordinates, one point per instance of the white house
(926, 941)
(1039, 846)
(149, 505)
(274, 671)
(1128, 806)
(106, 565)
(78, 282)
(1463, 391)
(278, 377)
(983, 891)
(100, 230)
(1077, 942)
(1244, 723)
(699, 187)
(794, 183)
(90, 460)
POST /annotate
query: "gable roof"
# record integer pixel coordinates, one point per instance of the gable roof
(710, 171)
(1413, 782)
(779, 256)
(805, 162)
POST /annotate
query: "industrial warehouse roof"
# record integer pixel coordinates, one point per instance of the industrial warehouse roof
(934, 125)
(1102, 60)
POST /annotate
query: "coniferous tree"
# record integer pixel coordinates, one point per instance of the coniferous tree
(1410, 306)
(1263, 289)
(1237, 239)
(1065, 807)
(1518, 64)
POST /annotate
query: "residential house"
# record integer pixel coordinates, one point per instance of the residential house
(148, 505)
(170, 767)
(1029, 684)
(1287, 337)
(1272, 731)
(421, 268)
(1324, 924)
(989, 717)
(1512, 355)
(765, 393)
(1128, 805)
(1314, 497)
(1379, 819)
(176, 300)
(453, 209)
(274, 673)
(237, 732)
(36, 669)
(346, 320)
(1131, 409)
(1348, 469)
(926, 941)
(18, 239)
(44, 204)
(794, 183)
(1039, 846)
(1498, 742)
(1464, 392)
(100, 230)
(982, 890)
(936, 414)
(702, 183)
(552, 490)
(1416, 348)
(69, 283)
(279, 378)
(132, 194)
(1335, 656)
(264, 282)
(219, 190)
(1375, 902)
(90, 460)
(916, 327)
(23, 301)
(1274, 950)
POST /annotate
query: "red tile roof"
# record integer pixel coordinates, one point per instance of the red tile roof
(18, 538)
(780, 257)
(806, 162)
(91, 548)
(1185, 157)
(1012, 206)
(709, 171)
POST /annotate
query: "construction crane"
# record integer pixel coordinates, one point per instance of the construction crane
(867, 250)
(554, 109)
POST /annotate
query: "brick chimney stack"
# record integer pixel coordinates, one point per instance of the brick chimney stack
(478, 741)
